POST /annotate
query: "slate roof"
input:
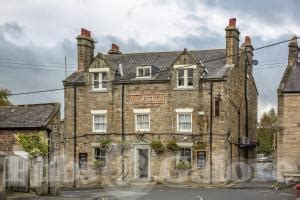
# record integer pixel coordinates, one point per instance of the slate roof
(161, 60)
(291, 79)
(27, 116)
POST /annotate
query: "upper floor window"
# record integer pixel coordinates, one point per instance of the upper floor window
(99, 120)
(142, 122)
(100, 80)
(184, 120)
(142, 119)
(143, 72)
(185, 77)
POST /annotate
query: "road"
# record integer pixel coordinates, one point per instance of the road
(180, 194)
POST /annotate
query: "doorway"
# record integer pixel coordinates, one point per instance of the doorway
(142, 161)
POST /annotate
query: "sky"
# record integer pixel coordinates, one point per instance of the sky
(37, 35)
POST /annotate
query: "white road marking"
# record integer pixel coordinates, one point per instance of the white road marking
(266, 191)
(199, 197)
(287, 194)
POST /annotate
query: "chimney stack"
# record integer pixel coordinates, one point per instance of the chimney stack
(115, 49)
(232, 42)
(247, 46)
(85, 49)
(293, 51)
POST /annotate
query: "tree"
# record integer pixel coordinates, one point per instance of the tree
(35, 144)
(266, 133)
(4, 97)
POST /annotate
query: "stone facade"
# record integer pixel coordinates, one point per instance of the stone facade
(288, 150)
(43, 118)
(2, 175)
(213, 141)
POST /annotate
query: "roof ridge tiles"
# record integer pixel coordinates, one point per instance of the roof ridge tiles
(154, 52)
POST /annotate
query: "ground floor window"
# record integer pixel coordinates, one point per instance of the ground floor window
(201, 159)
(82, 160)
(184, 158)
(101, 156)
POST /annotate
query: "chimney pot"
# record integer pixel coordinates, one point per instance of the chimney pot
(247, 40)
(232, 22)
(115, 49)
(85, 33)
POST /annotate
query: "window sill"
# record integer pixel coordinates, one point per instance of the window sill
(184, 132)
(99, 132)
(141, 132)
(99, 91)
(142, 77)
(184, 88)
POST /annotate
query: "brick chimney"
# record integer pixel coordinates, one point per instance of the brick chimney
(232, 42)
(85, 49)
(293, 51)
(115, 49)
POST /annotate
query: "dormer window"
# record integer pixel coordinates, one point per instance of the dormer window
(99, 78)
(100, 81)
(185, 78)
(143, 72)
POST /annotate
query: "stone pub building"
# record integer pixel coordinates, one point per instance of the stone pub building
(158, 117)
(288, 149)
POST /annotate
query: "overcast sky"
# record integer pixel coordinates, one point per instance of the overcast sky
(38, 34)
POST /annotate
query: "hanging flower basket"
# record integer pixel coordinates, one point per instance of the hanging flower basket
(105, 143)
(157, 146)
(172, 146)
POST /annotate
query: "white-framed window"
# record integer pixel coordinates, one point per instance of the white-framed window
(143, 72)
(100, 80)
(184, 122)
(184, 155)
(142, 119)
(100, 154)
(99, 120)
(185, 78)
(142, 122)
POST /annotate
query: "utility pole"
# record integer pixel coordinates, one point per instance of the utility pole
(66, 72)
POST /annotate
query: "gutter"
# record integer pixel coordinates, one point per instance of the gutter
(211, 131)
(75, 134)
(49, 166)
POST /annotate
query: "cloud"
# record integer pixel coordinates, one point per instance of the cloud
(13, 57)
(42, 32)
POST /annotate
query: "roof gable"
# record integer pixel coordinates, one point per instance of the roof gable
(290, 82)
(162, 60)
(27, 116)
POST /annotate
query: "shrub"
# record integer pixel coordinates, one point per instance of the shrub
(34, 144)
(182, 165)
(157, 146)
(97, 163)
(123, 144)
(172, 146)
(105, 143)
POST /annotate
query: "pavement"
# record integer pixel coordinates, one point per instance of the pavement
(145, 193)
